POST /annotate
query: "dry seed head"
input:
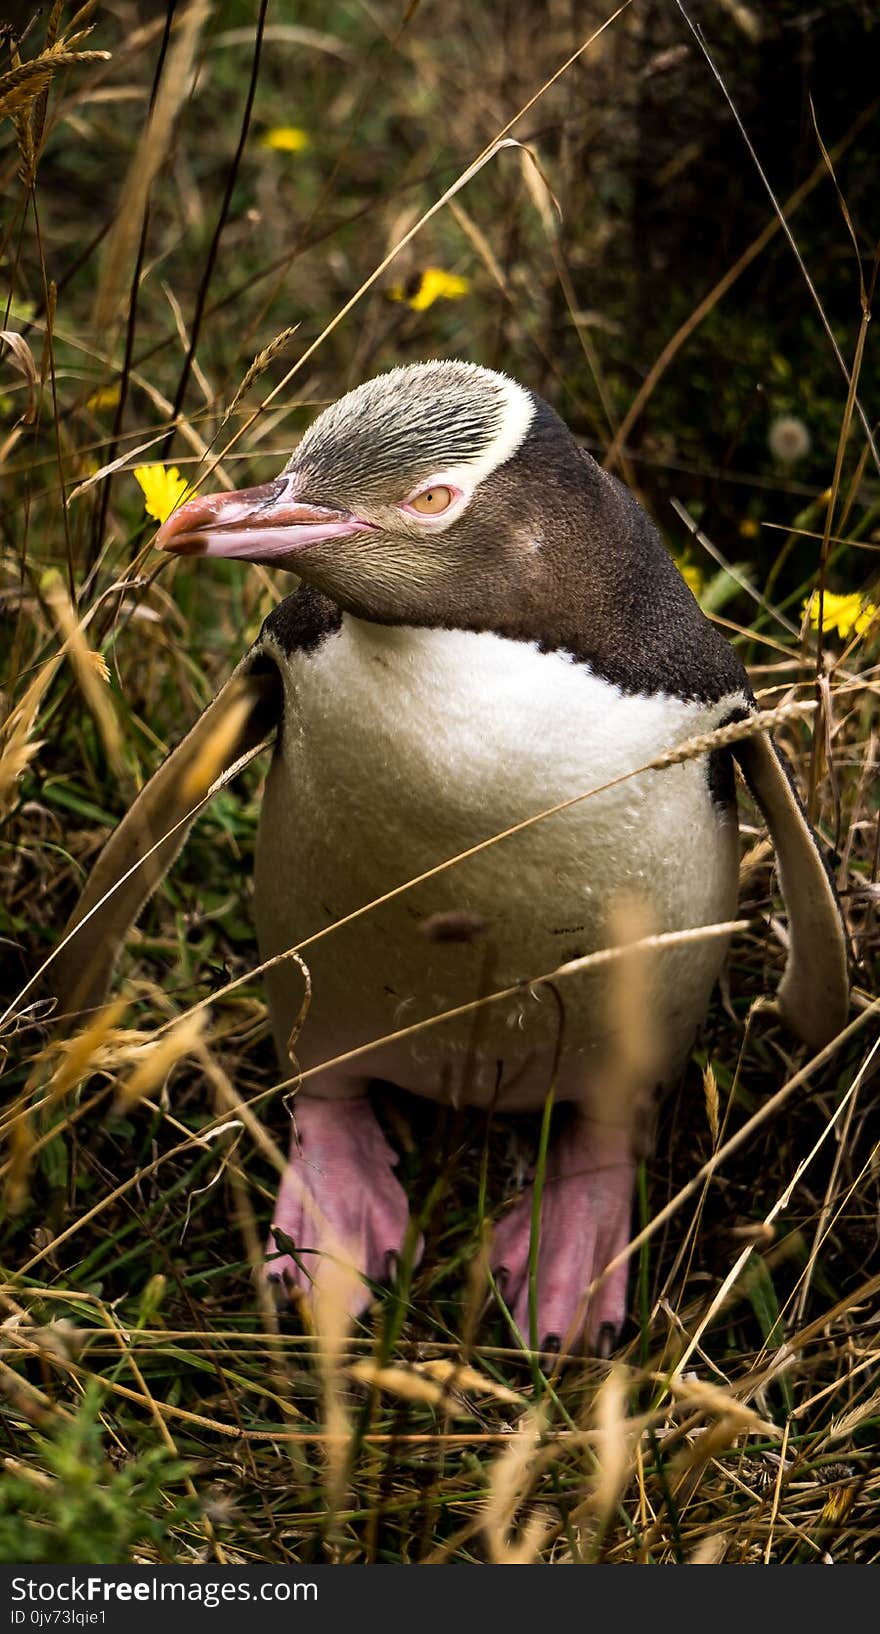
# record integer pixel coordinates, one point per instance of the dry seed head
(710, 1550)
(699, 1393)
(61, 1338)
(18, 745)
(688, 1464)
(81, 1050)
(17, 753)
(612, 1443)
(86, 669)
(509, 1481)
(843, 1427)
(21, 86)
(458, 1376)
(260, 365)
(405, 1382)
(157, 1058)
(788, 439)
(24, 91)
(710, 1090)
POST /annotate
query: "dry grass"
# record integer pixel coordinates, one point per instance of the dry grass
(738, 1422)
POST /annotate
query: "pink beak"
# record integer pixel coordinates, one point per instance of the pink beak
(265, 524)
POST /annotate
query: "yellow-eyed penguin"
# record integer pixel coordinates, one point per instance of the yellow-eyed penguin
(487, 625)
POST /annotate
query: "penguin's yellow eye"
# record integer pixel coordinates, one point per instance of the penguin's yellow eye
(433, 501)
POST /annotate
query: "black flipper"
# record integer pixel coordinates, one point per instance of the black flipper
(813, 996)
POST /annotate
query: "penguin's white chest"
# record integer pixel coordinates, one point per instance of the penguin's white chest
(402, 748)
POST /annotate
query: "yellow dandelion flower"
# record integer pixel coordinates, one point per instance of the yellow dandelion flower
(848, 615)
(431, 285)
(692, 576)
(104, 397)
(749, 529)
(285, 139)
(162, 489)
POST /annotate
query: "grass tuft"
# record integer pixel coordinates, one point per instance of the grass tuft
(183, 288)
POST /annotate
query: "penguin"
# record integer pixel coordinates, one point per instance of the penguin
(486, 625)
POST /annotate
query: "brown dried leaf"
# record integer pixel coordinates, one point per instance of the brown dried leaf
(23, 361)
(456, 1376)
(398, 1381)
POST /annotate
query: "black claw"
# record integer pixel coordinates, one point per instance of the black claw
(275, 1278)
(502, 1277)
(553, 1343)
(606, 1343)
(392, 1261)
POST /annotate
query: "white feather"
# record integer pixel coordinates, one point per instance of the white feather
(518, 413)
(401, 748)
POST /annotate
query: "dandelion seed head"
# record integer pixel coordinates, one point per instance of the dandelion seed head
(788, 439)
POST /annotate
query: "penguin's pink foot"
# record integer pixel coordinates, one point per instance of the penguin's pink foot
(585, 1222)
(339, 1203)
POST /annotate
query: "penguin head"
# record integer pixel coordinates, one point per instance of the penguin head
(426, 491)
